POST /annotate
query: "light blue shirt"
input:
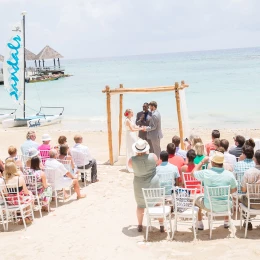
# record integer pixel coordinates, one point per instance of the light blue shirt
(216, 177)
(172, 171)
(181, 153)
(27, 145)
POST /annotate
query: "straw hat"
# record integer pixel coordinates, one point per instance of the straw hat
(32, 152)
(141, 146)
(218, 158)
(46, 137)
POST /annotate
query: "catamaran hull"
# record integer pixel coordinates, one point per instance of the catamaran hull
(37, 122)
(10, 123)
(44, 121)
(5, 116)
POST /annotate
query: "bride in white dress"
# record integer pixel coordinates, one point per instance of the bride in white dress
(131, 137)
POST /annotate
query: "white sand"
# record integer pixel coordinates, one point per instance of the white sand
(103, 226)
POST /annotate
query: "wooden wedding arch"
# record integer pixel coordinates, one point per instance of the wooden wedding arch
(121, 90)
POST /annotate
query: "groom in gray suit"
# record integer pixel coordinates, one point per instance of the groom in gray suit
(154, 131)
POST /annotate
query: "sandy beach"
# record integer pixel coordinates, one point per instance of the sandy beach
(103, 226)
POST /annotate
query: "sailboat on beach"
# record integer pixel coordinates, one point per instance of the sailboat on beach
(14, 82)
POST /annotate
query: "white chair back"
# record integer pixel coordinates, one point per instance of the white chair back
(219, 196)
(31, 182)
(239, 178)
(80, 158)
(253, 195)
(67, 164)
(44, 155)
(154, 197)
(10, 194)
(166, 181)
(184, 199)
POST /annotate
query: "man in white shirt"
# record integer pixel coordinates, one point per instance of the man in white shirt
(65, 177)
(86, 161)
(229, 158)
(29, 143)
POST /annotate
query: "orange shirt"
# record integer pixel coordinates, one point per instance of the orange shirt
(210, 147)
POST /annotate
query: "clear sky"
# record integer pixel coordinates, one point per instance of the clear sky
(104, 28)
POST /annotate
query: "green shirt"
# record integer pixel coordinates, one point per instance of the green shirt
(216, 177)
(198, 159)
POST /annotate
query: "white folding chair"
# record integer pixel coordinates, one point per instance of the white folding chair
(81, 160)
(3, 217)
(219, 196)
(44, 155)
(13, 204)
(166, 181)
(191, 182)
(67, 164)
(184, 207)
(53, 178)
(236, 194)
(253, 198)
(156, 209)
(31, 183)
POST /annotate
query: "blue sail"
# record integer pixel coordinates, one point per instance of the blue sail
(13, 66)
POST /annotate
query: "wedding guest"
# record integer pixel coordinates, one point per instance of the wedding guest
(229, 158)
(144, 166)
(12, 151)
(89, 161)
(191, 155)
(32, 153)
(214, 177)
(216, 144)
(239, 142)
(41, 179)
(63, 155)
(45, 147)
(166, 168)
(244, 165)
(173, 158)
(11, 177)
(61, 171)
(251, 176)
(29, 143)
(226, 166)
(154, 131)
(249, 142)
(199, 150)
(131, 129)
(142, 119)
(176, 140)
(211, 146)
(192, 141)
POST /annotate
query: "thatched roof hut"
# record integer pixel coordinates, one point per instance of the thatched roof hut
(29, 55)
(1, 58)
(48, 53)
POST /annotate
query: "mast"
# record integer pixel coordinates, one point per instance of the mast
(23, 14)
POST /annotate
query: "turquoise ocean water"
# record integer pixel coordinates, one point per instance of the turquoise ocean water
(224, 88)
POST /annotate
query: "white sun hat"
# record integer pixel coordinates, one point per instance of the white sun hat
(32, 152)
(46, 137)
(141, 146)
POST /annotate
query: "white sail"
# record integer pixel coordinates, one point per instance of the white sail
(13, 66)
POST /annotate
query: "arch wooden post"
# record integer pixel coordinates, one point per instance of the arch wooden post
(178, 106)
(109, 127)
(120, 117)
